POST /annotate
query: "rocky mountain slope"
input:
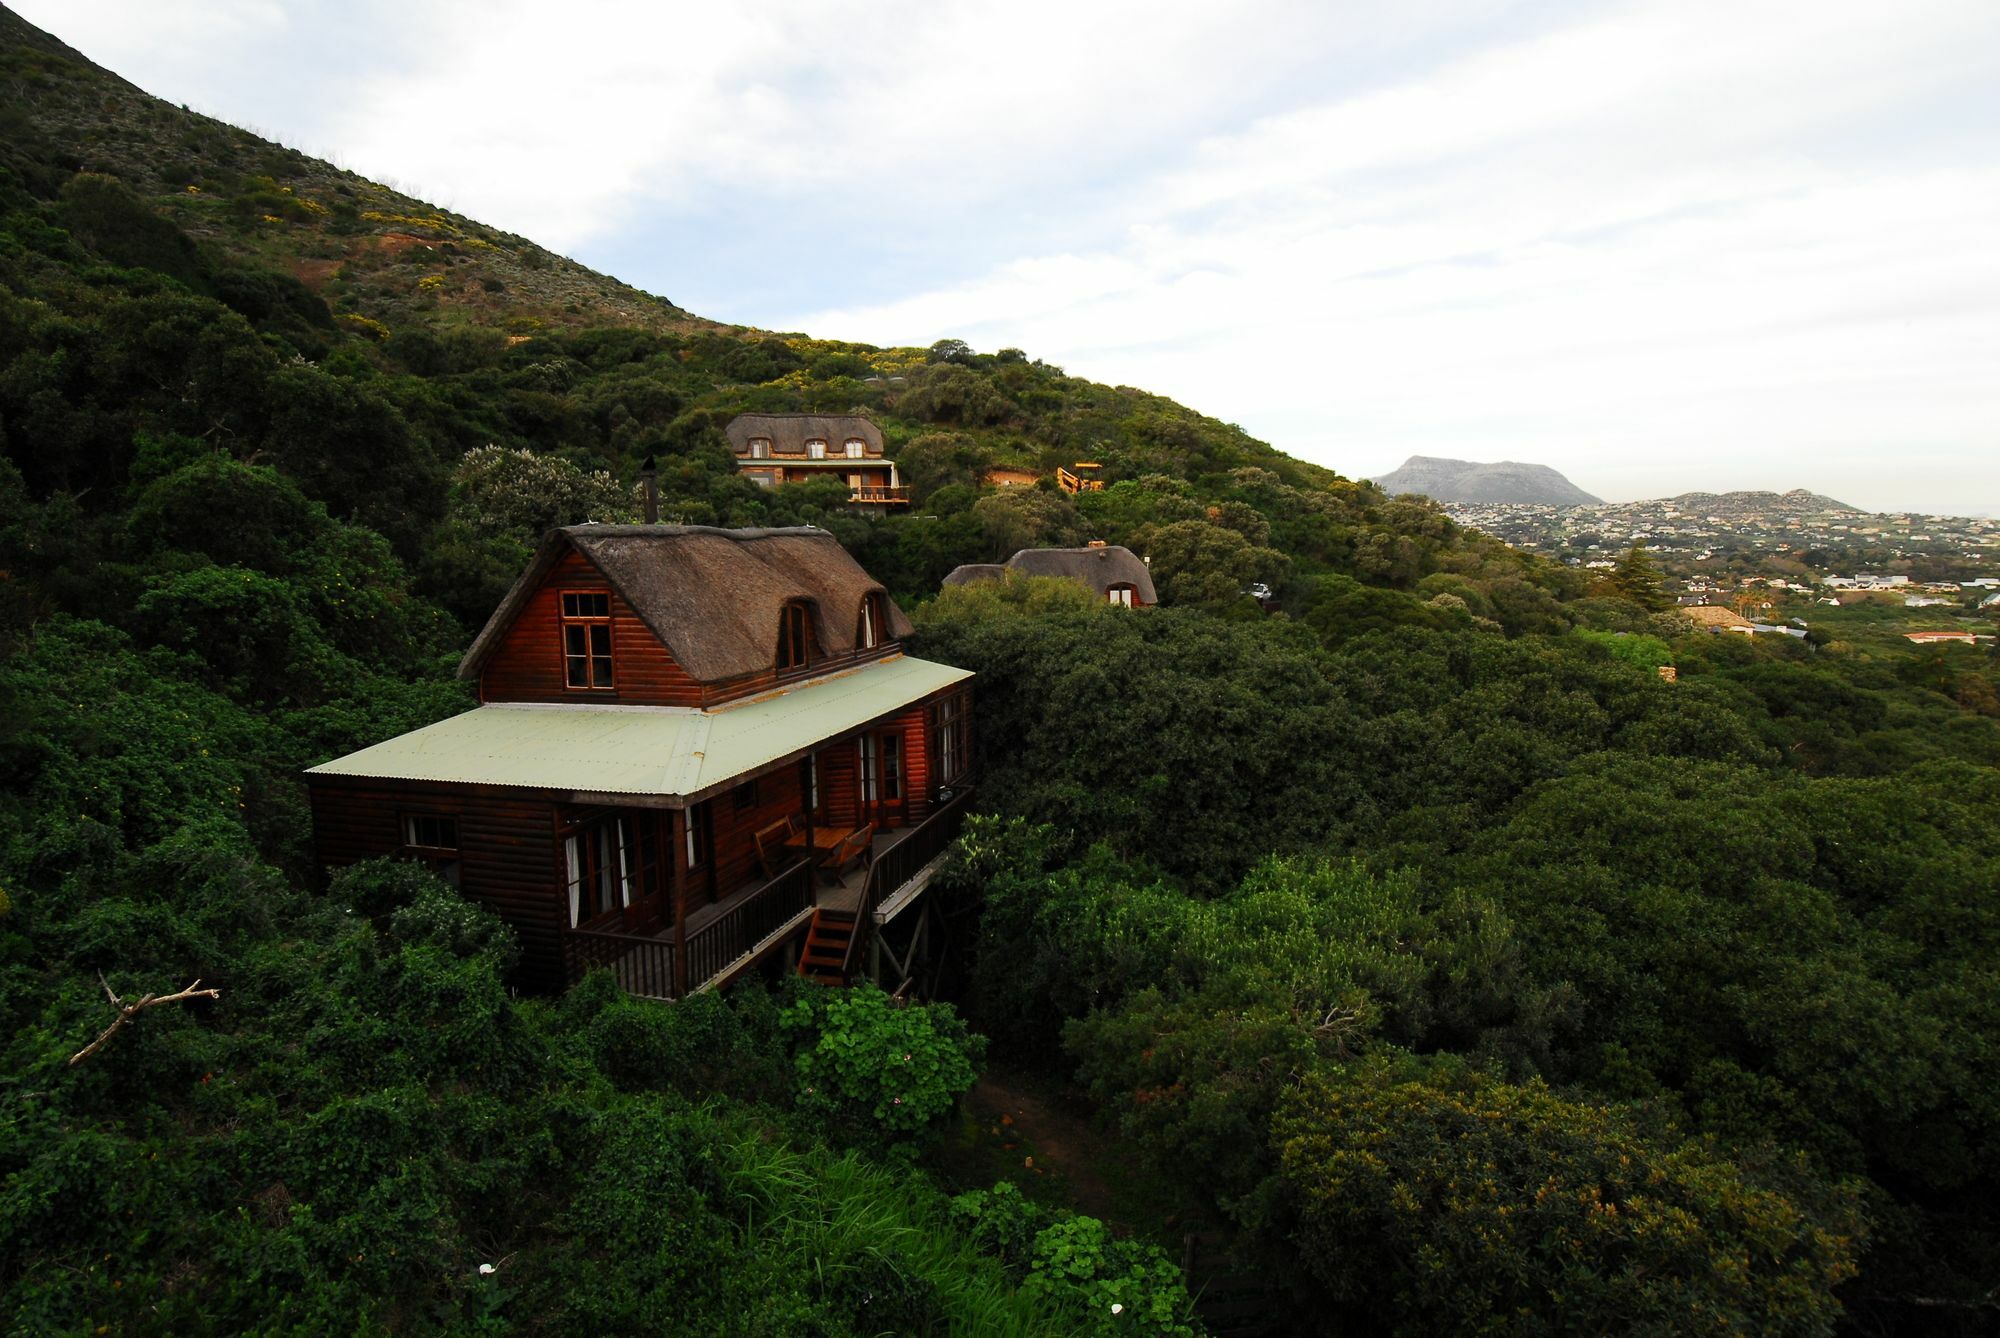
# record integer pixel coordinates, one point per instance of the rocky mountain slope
(1471, 481)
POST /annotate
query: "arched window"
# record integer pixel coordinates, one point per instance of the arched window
(1120, 594)
(795, 639)
(856, 448)
(816, 448)
(874, 628)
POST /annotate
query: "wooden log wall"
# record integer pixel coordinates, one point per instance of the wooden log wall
(778, 797)
(527, 666)
(509, 858)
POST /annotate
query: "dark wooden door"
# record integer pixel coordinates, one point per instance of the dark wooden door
(884, 782)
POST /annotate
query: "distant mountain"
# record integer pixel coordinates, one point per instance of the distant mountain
(1470, 481)
(1736, 504)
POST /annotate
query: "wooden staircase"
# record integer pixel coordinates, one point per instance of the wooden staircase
(824, 958)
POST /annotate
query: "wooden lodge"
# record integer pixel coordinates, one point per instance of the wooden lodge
(778, 448)
(696, 750)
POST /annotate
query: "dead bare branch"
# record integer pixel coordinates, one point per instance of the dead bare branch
(128, 1011)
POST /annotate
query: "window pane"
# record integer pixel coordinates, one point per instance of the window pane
(892, 766)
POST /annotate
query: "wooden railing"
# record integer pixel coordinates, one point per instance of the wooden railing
(643, 966)
(746, 922)
(879, 493)
(900, 863)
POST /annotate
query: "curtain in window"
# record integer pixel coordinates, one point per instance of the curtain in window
(575, 857)
(624, 864)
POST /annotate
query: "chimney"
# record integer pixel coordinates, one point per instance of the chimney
(649, 477)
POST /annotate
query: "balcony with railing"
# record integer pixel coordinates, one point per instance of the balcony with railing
(880, 495)
(727, 938)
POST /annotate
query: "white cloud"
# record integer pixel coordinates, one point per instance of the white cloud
(1642, 248)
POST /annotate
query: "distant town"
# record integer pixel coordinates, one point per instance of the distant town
(1759, 554)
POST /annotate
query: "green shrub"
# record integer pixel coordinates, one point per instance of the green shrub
(1093, 1279)
(863, 1058)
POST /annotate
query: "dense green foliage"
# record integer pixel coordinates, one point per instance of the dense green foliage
(1742, 922)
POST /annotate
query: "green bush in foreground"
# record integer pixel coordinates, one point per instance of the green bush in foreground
(867, 1061)
(1075, 1265)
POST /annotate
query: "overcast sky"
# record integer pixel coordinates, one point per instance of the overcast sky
(1661, 245)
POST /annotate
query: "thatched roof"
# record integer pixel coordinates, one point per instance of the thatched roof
(1713, 615)
(973, 572)
(711, 595)
(1099, 568)
(789, 432)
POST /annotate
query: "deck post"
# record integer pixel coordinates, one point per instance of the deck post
(808, 782)
(677, 824)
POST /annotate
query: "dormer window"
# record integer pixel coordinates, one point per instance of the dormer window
(856, 448)
(760, 448)
(1120, 594)
(794, 636)
(586, 640)
(874, 621)
(816, 448)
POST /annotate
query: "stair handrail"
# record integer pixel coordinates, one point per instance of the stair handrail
(931, 836)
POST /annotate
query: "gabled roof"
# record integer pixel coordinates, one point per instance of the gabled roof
(789, 432)
(1099, 567)
(712, 596)
(676, 755)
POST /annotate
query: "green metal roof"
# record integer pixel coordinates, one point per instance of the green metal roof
(675, 753)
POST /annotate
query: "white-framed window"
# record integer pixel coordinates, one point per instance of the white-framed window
(760, 448)
(1120, 595)
(856, 448)
(868, 755)
(816, 448)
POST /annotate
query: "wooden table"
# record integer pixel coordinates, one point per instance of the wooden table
(826, 842)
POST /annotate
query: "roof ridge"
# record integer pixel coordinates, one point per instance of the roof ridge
(597, 529)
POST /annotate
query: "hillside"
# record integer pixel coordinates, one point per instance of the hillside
(1739, 505)
(372, 343)
(1468, 481)
(374, 254)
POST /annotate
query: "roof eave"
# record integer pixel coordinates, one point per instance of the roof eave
(509, 608)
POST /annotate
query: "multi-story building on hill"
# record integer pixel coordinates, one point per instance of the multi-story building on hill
(778, 448)
(696, 750)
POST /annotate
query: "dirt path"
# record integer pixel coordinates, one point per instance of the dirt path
(1050, 1139)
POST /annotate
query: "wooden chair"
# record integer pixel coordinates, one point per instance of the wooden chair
(854, 849)
(770, 842)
